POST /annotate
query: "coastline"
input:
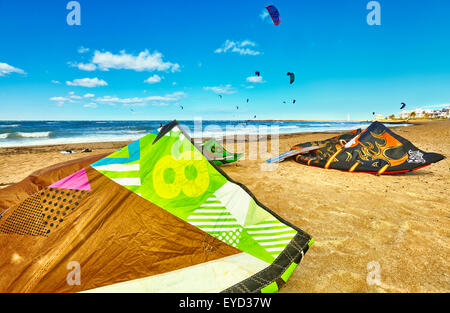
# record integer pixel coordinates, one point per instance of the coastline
(78, 146)
(43, 133)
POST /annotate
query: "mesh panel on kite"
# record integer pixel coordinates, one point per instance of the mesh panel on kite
(26, 219)
(58, 204)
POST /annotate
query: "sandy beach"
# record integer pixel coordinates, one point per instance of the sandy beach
(400, 221)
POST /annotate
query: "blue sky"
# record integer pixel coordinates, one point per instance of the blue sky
(146, 59)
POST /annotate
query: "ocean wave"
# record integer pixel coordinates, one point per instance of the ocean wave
(288, 127)
(134, 131)
(9, 125)
(121, 131)
(32, 134)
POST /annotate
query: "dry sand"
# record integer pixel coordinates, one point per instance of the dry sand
(402, 221)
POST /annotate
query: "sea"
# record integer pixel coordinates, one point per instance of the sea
(31, 133)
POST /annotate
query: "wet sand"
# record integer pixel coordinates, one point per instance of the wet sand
(401, 221)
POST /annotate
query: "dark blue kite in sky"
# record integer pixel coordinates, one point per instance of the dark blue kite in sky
(274, 14)
(291, 77)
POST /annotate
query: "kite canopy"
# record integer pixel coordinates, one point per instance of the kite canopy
(154, 216)
(274, 14)
(376, 150)
(403, 106)
(291, 77)
(217, 153)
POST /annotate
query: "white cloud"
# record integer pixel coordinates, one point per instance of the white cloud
(56, 82)
(87, 82)
(114, 100)
(227, 89)
(247, 43)
(144, 61)
(141, 101)
(436, 106)
(255, 79)
(83, 49)
(59, 99)
(73, 98)
(85, 66)
(240, 47)
(153, 79)
(90, 105)
(174, 96)
(264, 14)
(6, 69)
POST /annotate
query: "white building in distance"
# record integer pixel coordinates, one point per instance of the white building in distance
(437, 113)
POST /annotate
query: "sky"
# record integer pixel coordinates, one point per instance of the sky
(151, 60)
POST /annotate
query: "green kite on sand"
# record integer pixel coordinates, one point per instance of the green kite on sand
(217, 153)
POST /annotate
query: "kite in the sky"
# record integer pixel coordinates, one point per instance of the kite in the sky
(247, 100)
(274, 14)
(181, 107)
(257, 73)
(291, 77)
(293, 101)
(237, 107)
(220, 96)
(403, 106)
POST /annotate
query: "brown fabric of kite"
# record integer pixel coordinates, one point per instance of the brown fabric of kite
(16, 193)
(113, 234)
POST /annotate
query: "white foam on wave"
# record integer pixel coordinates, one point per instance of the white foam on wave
(33, 134)
(4, 136)
(134, 131)
(288, 127)
(40, 141)
(9, 125)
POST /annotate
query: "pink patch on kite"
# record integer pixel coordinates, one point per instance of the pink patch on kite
(78, 180)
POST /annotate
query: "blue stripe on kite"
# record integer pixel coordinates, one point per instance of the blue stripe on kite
(134, 152)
